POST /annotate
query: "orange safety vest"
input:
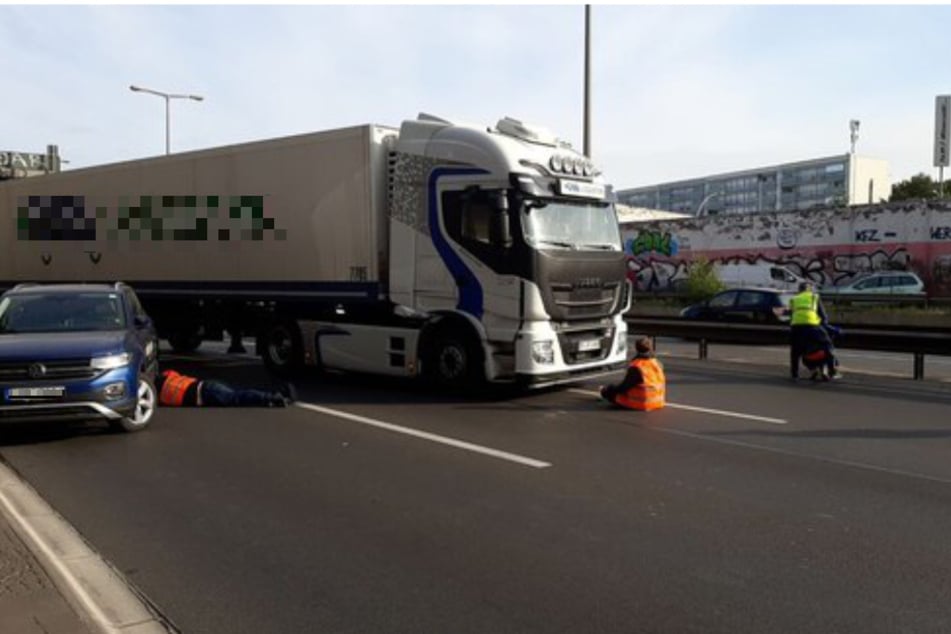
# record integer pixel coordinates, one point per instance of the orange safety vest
(174, 388)
(650, 394)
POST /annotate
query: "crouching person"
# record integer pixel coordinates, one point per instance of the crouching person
(180, 390)
(644, 386)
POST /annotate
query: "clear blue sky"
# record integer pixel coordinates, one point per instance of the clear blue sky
(678, 91)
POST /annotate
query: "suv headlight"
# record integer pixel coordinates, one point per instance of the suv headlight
(110, 362)
(543, 352)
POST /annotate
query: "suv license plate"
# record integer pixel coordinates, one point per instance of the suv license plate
(36, 392)
(587, 345)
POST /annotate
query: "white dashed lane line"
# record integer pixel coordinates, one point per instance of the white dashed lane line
(444, 440)
(706, 410)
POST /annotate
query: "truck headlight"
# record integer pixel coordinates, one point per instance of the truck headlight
(621, 347)
(543, 352)
(110, 362)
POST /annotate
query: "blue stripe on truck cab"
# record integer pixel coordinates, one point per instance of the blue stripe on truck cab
(470, 291)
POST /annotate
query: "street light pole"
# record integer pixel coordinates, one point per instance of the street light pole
(168, 117)
(587, 80)
(702, 207)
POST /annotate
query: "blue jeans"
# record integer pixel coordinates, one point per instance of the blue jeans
(218, 394)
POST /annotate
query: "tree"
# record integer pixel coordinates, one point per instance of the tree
(702, 281)
(917, 187)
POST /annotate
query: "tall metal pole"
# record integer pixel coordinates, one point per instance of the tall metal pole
(587, 80)
(168, 126)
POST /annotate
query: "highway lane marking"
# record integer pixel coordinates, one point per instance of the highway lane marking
(796, 454)
(705, 410)
(445, 440)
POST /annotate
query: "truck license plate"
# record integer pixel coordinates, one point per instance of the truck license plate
(36, 392)
(587, 345)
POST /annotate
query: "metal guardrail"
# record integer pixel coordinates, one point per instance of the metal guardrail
(919, 342)
(827, 297)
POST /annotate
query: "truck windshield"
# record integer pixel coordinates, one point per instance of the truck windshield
(577, 226)
(61, 312)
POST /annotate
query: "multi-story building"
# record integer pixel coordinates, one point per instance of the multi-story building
(23, 164)
(845, 179)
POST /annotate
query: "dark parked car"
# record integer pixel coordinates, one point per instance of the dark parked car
(77, 351)
(752, 305)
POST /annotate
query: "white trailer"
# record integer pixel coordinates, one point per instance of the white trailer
(452, 251)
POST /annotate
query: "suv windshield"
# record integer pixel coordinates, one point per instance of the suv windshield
(561, 225)
(66, 312)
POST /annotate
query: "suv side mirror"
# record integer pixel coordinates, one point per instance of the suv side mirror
(141, 321)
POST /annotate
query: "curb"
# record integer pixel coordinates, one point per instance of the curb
(95, 589)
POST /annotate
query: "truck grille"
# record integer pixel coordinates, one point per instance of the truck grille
(573, 342)
(576, 301)
(27, 371)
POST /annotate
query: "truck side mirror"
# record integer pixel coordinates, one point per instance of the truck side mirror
(501, 233)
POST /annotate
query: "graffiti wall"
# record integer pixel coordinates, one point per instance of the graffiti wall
(828, 246)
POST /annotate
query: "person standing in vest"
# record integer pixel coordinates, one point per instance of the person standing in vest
(644, 386)
(807, 324)
(177, 390)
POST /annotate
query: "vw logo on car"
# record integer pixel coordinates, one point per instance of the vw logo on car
(37, 371)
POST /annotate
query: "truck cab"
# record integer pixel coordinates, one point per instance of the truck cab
(507, 238)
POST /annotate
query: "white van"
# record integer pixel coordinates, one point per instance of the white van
(760, 275)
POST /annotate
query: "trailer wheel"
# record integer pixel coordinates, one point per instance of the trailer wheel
(282, 349)
(453, 362)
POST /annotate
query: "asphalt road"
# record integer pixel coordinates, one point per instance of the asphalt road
(376, 506)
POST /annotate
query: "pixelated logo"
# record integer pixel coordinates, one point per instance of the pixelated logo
(54, 218)
(146, 218)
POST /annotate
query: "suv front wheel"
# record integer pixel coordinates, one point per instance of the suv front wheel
(144, 409)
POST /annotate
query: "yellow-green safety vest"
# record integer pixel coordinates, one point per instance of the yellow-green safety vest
(805, 309)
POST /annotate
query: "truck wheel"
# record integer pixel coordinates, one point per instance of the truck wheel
(454, 363)
(282, 350)
(144, 409)
(185, 341)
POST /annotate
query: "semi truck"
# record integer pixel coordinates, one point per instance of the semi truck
(454, 252)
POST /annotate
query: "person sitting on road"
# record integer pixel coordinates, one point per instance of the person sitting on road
(644, 386)
(178, 390)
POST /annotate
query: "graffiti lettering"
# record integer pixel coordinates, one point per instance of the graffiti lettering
(655, 275)
(867, 235)
(653, 242)
(941, 233)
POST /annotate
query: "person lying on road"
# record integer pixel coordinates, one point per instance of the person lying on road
(180, 390)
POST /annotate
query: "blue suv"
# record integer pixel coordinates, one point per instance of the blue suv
(77, 351)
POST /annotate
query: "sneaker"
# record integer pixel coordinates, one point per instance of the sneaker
(289, 392)
(835, 376)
